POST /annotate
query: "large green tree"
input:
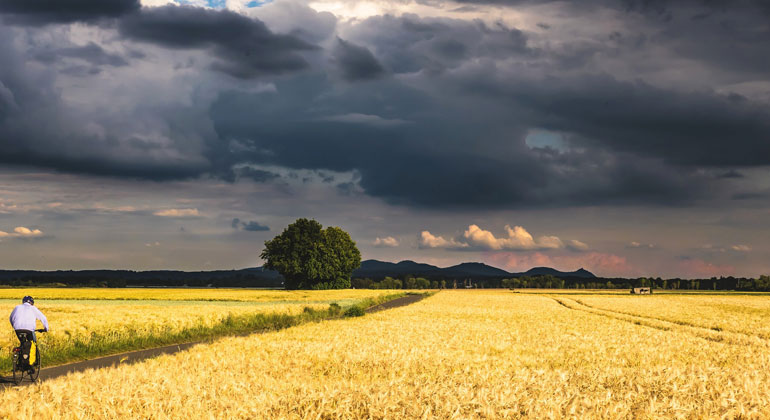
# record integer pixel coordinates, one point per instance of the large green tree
(311, 257)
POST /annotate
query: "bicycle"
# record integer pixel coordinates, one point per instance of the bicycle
(20, 365)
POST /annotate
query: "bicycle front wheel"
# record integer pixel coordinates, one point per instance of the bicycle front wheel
(36, 367)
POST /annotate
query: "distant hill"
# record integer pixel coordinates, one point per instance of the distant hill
(474, 270)
(375, 269)
(378, 269)
(259, 277)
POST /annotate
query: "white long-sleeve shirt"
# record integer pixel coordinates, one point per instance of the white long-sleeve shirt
(24, 316)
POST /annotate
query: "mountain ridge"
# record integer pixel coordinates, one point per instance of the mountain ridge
(261, 277)
(377, 269)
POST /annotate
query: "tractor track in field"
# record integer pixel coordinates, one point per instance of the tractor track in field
(677, 322)
(140, 355)
(705, 333)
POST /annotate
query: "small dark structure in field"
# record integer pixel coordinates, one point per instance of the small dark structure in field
(641, 291)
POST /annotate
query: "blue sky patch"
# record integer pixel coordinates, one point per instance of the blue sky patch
(255, 3)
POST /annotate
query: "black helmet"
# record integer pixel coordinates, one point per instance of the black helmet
(28, 299)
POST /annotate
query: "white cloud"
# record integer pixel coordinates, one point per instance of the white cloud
(741, 248)
(388, 241)
(635, 244)
(427, 240)
(21, 232)
(177, 213)
(576, 245)
(152, 244)
(517, 239)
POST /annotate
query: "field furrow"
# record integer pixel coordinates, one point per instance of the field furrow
(665, 325)
(740, 314)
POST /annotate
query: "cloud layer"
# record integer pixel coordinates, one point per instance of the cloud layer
(21, 232)
(392, 117)
(387, 242)
(443, 105)
(516, 239)
(177, 213)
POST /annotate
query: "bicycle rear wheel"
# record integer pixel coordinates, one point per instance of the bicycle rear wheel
(18, 372)
(33, 377)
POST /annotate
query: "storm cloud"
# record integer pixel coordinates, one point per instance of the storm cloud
(356, 62)
(250, 226)
(245, 47)
(450, 126)
(36, 12)
(212, 123)
(90, 53)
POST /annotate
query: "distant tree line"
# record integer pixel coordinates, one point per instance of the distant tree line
(124, 278)
(259, 278)
(409, 282)
(761, 284)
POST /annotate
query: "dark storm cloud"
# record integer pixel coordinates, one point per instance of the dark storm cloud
(449, 129)
(731, 174)
(408, 43)
(90, 53)
(650, 6)
(627, 142)
(730, 35)
(36, 12)
(250, 226)
(245, 47)
(748, 195)
(428, 161)
(37, 128)
(257, 175)
(253, 226)
(356, 62)
(682, 128)
(174, 141)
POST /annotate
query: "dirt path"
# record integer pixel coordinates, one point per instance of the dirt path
(139, 355)
(395, 303)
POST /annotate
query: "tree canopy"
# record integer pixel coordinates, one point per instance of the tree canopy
(310, 257)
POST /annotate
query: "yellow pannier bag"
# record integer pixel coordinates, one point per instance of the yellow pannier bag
(32, 353)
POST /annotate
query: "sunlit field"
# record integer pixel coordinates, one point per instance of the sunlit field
(456, 354)
(203, 294)
(745, 314)
(82, 325)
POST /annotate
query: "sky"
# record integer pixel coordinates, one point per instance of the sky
(627, 137)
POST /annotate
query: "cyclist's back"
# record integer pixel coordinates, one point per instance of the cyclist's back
(24, 318)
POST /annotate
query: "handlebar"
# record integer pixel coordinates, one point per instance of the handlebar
(41, 330)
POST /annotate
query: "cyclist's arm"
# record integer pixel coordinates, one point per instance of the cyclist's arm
(13, 312)
(39, 315)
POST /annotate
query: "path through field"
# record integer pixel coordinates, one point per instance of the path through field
(139, 355)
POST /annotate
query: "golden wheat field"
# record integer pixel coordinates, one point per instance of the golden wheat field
(743, 314)
(456, 354)
(73, 321)
(197, 294)
(101, 326)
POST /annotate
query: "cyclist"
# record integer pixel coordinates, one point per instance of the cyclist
(24, 318)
